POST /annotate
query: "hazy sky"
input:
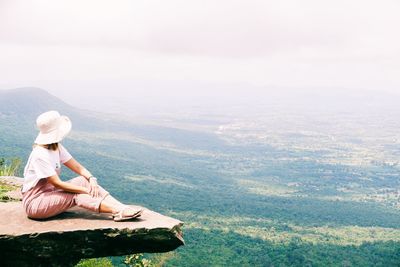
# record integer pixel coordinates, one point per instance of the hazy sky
(70, 45)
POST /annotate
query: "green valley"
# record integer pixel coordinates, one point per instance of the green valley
(276, 190)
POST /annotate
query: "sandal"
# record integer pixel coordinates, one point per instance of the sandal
(120, 216)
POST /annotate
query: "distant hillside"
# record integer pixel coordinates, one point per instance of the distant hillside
(29, 101)
(20, 107)
(23, 105)
(306, 192)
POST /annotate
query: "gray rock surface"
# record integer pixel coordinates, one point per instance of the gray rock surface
(65, 239)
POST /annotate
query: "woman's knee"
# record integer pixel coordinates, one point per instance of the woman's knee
(79, 180)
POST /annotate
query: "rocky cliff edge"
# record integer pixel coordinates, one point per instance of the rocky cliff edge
(76, 234)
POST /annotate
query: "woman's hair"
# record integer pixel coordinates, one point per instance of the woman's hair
(53, 146)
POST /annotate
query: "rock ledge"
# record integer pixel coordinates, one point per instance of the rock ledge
(65, 239)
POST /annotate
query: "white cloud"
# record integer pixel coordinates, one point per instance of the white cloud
(286, 43)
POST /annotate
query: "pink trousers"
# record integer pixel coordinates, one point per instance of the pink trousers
(44, 200)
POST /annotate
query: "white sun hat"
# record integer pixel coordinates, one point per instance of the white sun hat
(53, 127)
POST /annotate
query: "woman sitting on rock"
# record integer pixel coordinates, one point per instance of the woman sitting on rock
(46, 195)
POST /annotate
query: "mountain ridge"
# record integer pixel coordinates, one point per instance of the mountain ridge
(24, 104)
(30, 101)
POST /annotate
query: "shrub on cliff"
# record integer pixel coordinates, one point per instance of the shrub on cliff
(9, 167)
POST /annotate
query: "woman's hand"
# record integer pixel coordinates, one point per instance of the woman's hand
(94, 187)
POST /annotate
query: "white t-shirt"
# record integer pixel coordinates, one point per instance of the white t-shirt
(43, 163)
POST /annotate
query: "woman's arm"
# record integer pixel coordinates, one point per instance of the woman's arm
(79, 169)
(56, 181)
(76, 167)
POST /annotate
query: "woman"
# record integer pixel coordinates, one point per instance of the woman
(46, 195)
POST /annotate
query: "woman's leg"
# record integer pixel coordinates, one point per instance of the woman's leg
(105, 203)
(111, 199)
(98, 204)
(82, 181)
(49, 204)
(52, 201)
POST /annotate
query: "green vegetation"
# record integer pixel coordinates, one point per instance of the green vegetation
(260, 193)
(10, 167)
(134, 260)
(101, 262)
(239, 214)
(226, 248)
(137, 260)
